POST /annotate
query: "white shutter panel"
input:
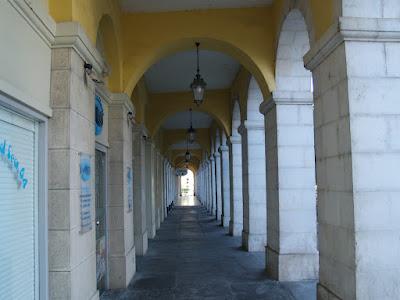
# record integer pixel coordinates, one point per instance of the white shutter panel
(18, 210)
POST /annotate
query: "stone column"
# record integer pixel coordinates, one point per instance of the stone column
(218, 185)
(162, 196)
(71, 131)
(357, 128)
(157, 187)
(291, 253)
(139, 190)
(121, 248)
(213, 187)
(226, 193)
(254, 235)
(150, 196)
(236, 222)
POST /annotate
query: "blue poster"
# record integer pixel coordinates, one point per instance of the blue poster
(129, 178)
(86, 192)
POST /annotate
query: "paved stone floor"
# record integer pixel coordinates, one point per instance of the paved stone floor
(194, 258)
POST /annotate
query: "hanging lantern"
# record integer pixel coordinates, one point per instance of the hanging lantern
(191, 133)
(188, 156)
(198, 85)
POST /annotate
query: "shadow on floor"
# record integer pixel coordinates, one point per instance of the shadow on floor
(192, 258)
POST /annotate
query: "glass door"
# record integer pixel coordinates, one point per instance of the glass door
(101, 241)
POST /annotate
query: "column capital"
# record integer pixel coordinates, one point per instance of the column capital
(216, 155)
(352, 29)
(251, 125)
(235, 139)
(212, 158)
(286, 98)
(140, 129)
(223, 148)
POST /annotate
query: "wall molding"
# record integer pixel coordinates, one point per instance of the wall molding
(72, 35)
(352, 29)
(38, 20)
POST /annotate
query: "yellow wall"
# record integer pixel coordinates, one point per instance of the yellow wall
(245, 34)
(172, 137)
(140, 98)
(163, 105)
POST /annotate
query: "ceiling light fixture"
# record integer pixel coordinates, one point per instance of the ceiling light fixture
(188, 156)
(198, 85)
(191, 133)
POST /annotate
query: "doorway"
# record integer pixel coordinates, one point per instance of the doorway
(101, 220)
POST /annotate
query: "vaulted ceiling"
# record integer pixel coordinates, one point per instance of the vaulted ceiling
(175, 73)
(182, 120)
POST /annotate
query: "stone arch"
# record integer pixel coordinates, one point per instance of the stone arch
(318, 15)
(108, 45)
(291, 76)
(135, 70)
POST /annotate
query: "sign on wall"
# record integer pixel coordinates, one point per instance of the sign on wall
(99, 115)
(129, 178)
(86, 192)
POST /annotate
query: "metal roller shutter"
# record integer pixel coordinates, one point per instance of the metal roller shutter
(19, 270)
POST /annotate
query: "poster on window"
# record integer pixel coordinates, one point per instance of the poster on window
(86, 192)
(129, 178)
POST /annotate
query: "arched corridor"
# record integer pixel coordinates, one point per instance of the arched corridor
(193, 258)
(198, 149)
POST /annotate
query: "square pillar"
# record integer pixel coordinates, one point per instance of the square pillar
(150, 190)
(236, 221)
(72, 253)
(226, 189)
(291, 254)
(139, 183)
(357, 129)
(254, 236)
(213, 207)
(121, 260)
(218, 186)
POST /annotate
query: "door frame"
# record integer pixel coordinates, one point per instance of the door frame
(18, 107)
(104, 149)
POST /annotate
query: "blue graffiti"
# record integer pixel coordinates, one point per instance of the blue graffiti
(85, 169)
(6, 154)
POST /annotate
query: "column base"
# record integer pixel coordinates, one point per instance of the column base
(253, 242)
(291, 267)
(225, 221)
(235, 229)
(123, 269)
(141, 243)
(158, 218)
